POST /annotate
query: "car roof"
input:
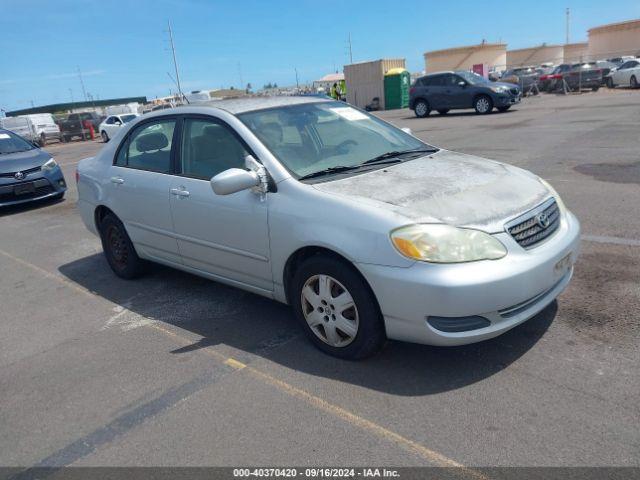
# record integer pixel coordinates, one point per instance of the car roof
(242, 105)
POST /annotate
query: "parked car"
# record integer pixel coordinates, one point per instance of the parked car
(444, 91)
(365, 230)
(525, 77)
(26, 172)
(583, 75)
(77, 125)
(618, 61)
(606, 67)
(37, 127)
(627, 74)
(110, 126)
(553, 80)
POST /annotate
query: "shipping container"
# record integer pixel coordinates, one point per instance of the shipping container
(365, 80)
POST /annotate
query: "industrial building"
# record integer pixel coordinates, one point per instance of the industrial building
(494, 55)
(77, 106)
(544, 53)
(575, 52)
(614, 40)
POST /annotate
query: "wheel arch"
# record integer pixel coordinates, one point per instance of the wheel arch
(99, 213)
(412, 106)
(306, 252)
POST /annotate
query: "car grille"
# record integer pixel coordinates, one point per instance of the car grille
(540, 224)
(514, 91)
(26, 172)
(40, 191)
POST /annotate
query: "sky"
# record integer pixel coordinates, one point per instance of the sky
(122, 47)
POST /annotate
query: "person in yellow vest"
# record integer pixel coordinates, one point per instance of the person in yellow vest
(335, 92)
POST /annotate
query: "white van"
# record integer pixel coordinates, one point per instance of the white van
(37, 127)
(197, 97)
(125, 108)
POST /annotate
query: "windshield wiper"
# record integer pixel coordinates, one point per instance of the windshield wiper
(397, 153)
(329, 171)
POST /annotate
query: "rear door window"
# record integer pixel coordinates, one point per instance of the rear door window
(149, 147)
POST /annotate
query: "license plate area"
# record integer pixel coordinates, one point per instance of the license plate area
(24, 189)
(563, 264)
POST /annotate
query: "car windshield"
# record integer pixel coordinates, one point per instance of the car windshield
(472, 78)
(12, 143)
(127, 118)
(314, 137)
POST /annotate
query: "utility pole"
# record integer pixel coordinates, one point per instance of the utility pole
(175, 62)
(350, 51)
(567, 40)
(297, 83)
(242, 85)
(84, 92)
(71, 95)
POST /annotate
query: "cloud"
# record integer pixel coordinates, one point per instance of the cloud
(88, 73)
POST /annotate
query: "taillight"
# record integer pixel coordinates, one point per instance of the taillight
(77, 176)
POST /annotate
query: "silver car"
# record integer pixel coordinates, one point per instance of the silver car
(366, 231)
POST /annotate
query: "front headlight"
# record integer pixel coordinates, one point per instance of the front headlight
(49, 165)
(440, 243)
(500, 89)
(559, 201)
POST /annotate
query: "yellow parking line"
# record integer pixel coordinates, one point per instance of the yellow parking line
(317, 402)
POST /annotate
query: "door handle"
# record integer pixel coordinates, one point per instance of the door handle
(179, 192)
(117, 180)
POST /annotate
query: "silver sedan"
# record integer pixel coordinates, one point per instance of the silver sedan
(366, 231)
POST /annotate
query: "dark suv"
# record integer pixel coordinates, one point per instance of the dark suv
(444, 91)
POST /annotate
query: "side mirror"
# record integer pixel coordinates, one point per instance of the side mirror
(462, 83)
(117, 122)
(234, 180)
(407, 130)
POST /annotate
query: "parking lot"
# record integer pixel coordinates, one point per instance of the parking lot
(174, 370)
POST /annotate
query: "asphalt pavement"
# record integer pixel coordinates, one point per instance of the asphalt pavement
(175, 370)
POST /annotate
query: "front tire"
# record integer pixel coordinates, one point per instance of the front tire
(610, 83)
(595, 89)
(105, 137)
(483, 104)
(337, 309)
(633, 82)
(422, 109)
(43, 140)
(504, 109)
(444, 111)
(118, 249)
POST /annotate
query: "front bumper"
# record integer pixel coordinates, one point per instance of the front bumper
(506, 292)
(503, 100)
(45, 185)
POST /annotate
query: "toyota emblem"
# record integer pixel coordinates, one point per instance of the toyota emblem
(19, 175)
(543, 219)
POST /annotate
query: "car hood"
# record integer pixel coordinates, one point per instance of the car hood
(504, 84)
(446, 187)
(14, 162)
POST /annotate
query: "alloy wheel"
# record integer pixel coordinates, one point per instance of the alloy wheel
(329, 310)
(421, 109)
(483, 105)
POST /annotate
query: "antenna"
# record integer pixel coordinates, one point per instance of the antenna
(84, 92)
(350, 50)
(175, 62)
(240, 75)
(567, 13)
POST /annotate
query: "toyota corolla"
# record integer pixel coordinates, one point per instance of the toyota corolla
(366, 231)
(27, 173)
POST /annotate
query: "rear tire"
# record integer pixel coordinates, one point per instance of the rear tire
(595, 89)
(444, 111)
(633, 82)
(610, 83)
(323, 318)
(483, 104)
(422, 109)
(43, 140)
(504, 109)
(118, 249)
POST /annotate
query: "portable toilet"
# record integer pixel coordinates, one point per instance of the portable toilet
(396, 88)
